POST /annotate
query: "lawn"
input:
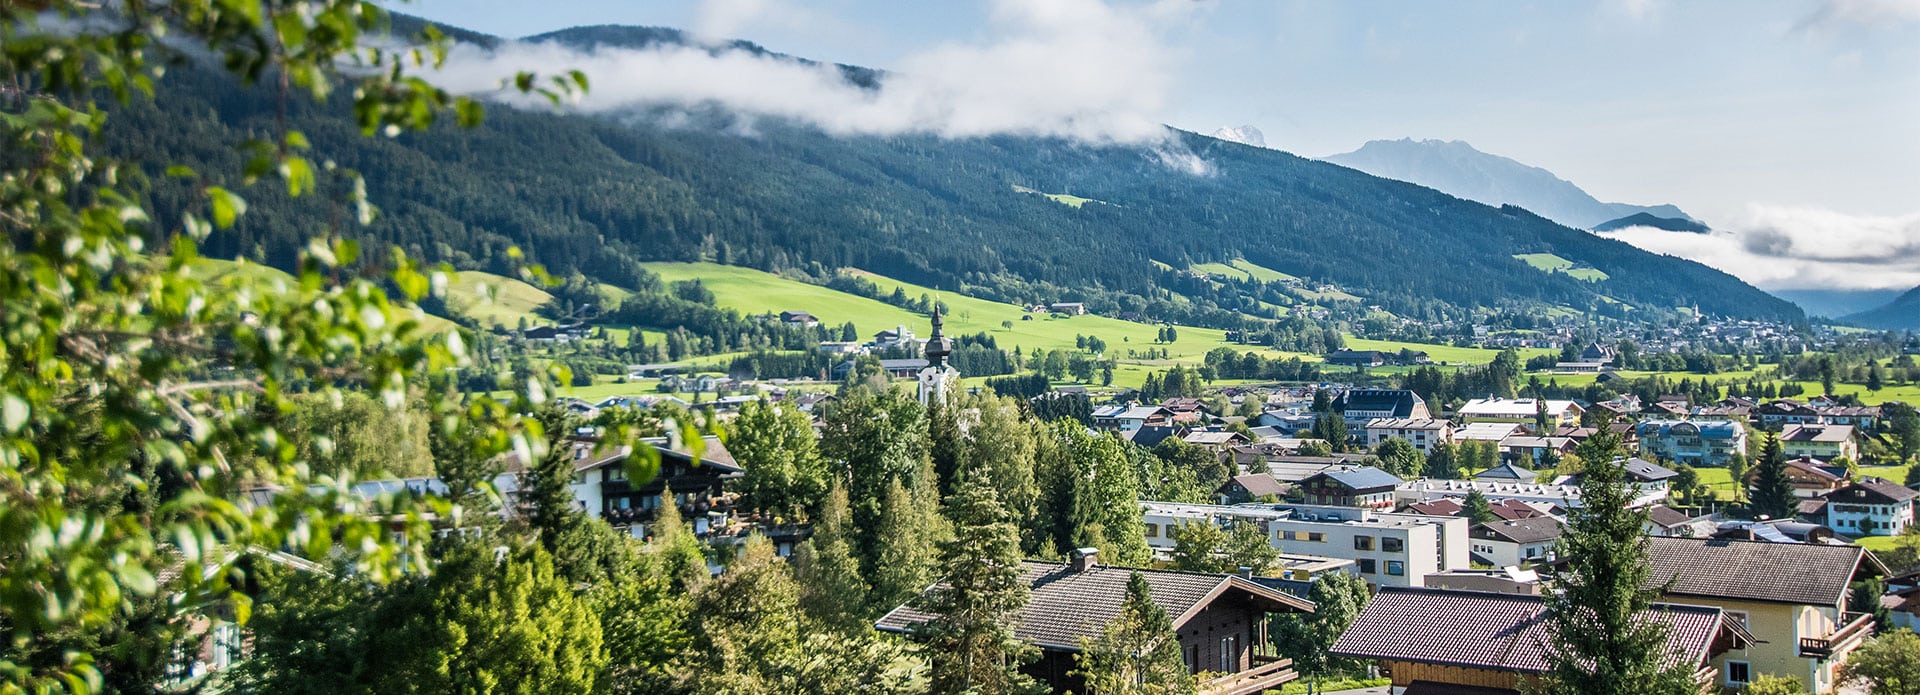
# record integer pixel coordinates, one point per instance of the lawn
(1242, 269)
(1072, 201)
(1555, 264)
(495, 300)
(1443, 353)
(1909, 393)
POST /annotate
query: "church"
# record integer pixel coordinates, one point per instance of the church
(938, 380)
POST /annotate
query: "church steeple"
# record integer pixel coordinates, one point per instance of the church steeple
(938, 346)
(939, 379)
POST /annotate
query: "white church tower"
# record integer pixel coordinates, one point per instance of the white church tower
(938, 380)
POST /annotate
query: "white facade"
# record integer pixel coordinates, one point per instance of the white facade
(1886, 519)
(1386, 549)
(1424, 434)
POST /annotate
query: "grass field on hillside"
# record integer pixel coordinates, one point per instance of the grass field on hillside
(1442, 353)
(1242, 269)
(1555, 264)
(1072, 201)
(1909, 393)
(495, 300)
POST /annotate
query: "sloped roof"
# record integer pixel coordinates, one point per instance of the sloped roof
(1399, 401)
(1534, 530)
(1066, 606)
(1872, 491)
(1667, 517)
(1504, 632)
(1365, 478)
(1824, 434)
(1507, 471)
(1646, 471)
(1258, 484)
(1797, 573)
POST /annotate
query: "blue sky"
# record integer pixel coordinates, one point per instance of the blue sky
(1747, 113)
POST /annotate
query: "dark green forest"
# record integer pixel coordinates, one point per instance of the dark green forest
(596, 195)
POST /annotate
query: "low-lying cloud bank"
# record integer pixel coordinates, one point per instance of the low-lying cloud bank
(1801, 248)
(1079, 69)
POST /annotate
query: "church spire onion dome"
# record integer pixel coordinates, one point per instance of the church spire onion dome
(938, 346)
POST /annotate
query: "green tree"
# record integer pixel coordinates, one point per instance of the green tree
(1772, 491)
(360, 437)
(1875, 381)
(1865, 598)
(875, 438)
(1306, 637)
(1333, 429)
(905, 550)
(749, 631)
(977, 601)
(1399, 457)
(1247, 546)
(1600, 643)
(1826, 375)
(1903, 422)
(1137, 653)
(1888, 664)
(831, 588)
(683, 557)
(1767, 684)
(1477, 509)
(1444, 462)
(776, 448)
(122, 371)
(1322, 401)
(1199, 546)
(1686, 481)
(1737, 470)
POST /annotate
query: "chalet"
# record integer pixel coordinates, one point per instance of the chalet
(1126, 417)
(1423, 433)
(1068, 308)
(1250, 488)
(1668, 522)
(1361, 487)
(1220, 620)
(1516, 542)
(799, 319)
(1665, 409)
(1820, 441)
(899, 336)
(1811, 477)
(1356, 358)
(1778, 414)
(601, 486)
(1521, 410)
(1360, 406)
(1447, 642)
(1535, 451)
(1215, 440)
(1150, 436)
(1727, 413)
(1792, 597)
(1861, 418)
(1595, 352)
(1186, 410)
(1871, 507)
(1507, 510)
(1692, 443)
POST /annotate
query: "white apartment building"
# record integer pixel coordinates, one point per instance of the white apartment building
(1386, 549)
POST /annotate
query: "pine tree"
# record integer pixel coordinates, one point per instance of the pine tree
(1136, 654)
(1773, 496)
(978, 600)
(1601, 643)
(683, 556)
(1444, 462)
(1477, 509)
(831, 589)
(1322, 401)
(749, 625)
(1333, 429)
(1875, 381)
(904, 552)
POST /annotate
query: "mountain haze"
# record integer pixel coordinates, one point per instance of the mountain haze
(1902, 314)
(598, 194)
(1456, 168)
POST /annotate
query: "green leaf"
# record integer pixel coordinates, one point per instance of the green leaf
(227, 207)
(299, 175)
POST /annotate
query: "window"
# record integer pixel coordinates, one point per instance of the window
(1367, 567)
(1738, 617)
(1393, 545)
(1396, 568)
(1317, 537)
(1363, 542)
(1739, 672)
(1153, 530)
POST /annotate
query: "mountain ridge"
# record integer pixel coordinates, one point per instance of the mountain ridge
(1647, 219)
(1458, 168)
(1901, 314)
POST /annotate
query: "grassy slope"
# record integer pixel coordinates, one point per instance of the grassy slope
(495, 300)
(1242, 269)
(1443, 353)
(1555, 264)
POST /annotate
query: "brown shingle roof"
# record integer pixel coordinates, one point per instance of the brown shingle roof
(1666, 517)
(1798, 573)
(1066, 606)
(1505, 632)
(1872, 491)
(1258, 484)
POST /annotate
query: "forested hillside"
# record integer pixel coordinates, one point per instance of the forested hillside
(598, 195)
(1903, 313)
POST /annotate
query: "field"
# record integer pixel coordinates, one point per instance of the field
(1072, 201)
(1241, 269)
(1909, 393)
(1555, 264)
(1443, 353)
(495, 300)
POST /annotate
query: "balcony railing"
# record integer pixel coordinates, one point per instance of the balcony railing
(1271, 674)
(1843, 640)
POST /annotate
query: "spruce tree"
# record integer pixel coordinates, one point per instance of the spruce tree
(978, 600)
(831, 589)
(1477, 509)
(903, 553)
(1136, 654)
(1602, 642)
(1772, 491)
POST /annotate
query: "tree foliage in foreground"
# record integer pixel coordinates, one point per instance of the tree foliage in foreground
(1136, 654)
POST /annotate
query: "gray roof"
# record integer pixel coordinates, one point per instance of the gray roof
(1534, 530)
(1805, 574)
(1366, 478)
(1502, 632)
(1507, 471)
(1646, 471)
(1872, 491)
(1066, 606)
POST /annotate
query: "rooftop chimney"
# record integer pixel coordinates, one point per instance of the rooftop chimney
(1084, 559)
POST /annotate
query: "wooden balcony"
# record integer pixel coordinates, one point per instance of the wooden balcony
(1267, 672)
(1843, 640)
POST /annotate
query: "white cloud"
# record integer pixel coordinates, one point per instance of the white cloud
(1801, 248)
(1082, 69)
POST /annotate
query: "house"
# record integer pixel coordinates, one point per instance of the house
(1792, 597)
(1360, 406)
(1448, 642)
(1820, 441)
(1449, 506)
(1692, 443)
(1361, 487)
(1511, 543)
(1811, 478)
(1504, 580)
(1774, 531)
(1356, 358)
(601, 486)
(1126, 417)
(1386, 548)
(1423, 433)
(1068, 308)
(1507, 473)
(899, 336)
(1595, 352)
(555, 334)
(1220, 620)
(1861, 418)
(1535, 451)
(1666, 521)
(1727, 413)
(1216, 441)
(1871, 507)
(1544, 495)
(1775, 415)
(1149, 436)
(799, 319)
(1521, 410)
(1487, 432)
(1250, 488)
